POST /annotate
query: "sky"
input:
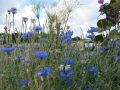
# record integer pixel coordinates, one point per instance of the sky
(83, 17)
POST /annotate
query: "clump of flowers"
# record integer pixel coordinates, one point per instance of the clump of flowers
(65, 37)
(41, 54)
(26, 35)
(24, 83)
(93, 70)
(66, 72)
(90, 32)
(44, 72)
(38, 28)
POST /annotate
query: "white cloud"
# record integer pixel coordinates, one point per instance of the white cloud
(85, 17)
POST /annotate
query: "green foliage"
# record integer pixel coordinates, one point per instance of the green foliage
(114, 34)
(98, 38)
(105, 24)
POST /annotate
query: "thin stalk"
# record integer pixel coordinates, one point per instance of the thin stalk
(38, 20)
(25, 27)
(13, 21)
(66, 20)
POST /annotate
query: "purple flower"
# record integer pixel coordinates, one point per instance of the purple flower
(38, 28)
(25, 19)
(93, 70)
(44, 72)
(13, 10)
(41, 54)
(100, 1)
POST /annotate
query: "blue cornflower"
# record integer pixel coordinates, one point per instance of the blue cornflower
(13, 10)
(66, 36)
(24, 36)
(48, 70)
(68, 61)
(8, 50)
(92, 30)
(41, 54)
(93, 70)
(27, 34)
(44, 72)
(38, 28)
(104, 50)
(30, 34)
(66, 74)
(24, 82)
(116, 58)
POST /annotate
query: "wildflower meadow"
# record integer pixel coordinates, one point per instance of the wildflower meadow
(47, 57)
